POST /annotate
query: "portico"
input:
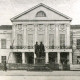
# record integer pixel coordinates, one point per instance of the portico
(42, 24)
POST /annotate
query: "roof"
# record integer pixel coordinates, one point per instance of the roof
(75, 26)
(41, 4)
(6, 27)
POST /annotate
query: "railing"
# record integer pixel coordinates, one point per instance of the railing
(65, 47)
(46, 47)
(21, 47)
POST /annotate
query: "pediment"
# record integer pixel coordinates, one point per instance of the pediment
(50, 14)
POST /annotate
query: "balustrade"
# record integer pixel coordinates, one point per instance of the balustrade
(46, 47)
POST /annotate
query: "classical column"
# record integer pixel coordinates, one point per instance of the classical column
(68, 35)
(35, 40)
(70, 57)
(23, 57)
(24, 36)
(57, 35)
(14, 39)
(35, 35)
(34, 57)
(46, 58)
(58, 57)
(46, 36)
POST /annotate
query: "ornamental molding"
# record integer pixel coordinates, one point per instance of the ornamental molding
(19, 27)
(62, 27)
(30, 27)
(51, 27)
(41, 27)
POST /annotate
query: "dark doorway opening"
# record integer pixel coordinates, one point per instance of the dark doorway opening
(52, 57)
(30, 57)
(18, 56)
(64, 57)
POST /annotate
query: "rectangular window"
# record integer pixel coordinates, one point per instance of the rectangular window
(19, 41)
(78, 59)
(78, 43)
(62, 41)
(3, 43)
(3, 59)
(30, 41)
(41, 38)
(51, 41)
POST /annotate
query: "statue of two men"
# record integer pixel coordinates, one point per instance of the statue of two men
(39, 50)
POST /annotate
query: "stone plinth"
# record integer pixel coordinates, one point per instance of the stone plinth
(40, 61)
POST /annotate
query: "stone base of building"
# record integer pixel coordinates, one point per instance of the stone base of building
(37, 67)
(75, 67)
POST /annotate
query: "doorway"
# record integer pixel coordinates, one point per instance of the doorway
(29, 57)
(53, 57)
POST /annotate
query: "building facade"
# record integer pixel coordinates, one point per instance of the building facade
(40, 24)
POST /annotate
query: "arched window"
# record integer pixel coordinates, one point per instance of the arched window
(41, 14)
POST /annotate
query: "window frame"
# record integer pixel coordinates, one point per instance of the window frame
(77, 44)
(2, 47)
(40, 14)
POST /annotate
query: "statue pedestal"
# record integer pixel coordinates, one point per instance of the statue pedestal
(39, 65)
(39, 61)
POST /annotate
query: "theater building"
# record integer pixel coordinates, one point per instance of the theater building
(40, 24)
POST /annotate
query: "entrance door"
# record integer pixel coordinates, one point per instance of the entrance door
(18, 57)
(30, 57)
(64, 61)
(53, 57)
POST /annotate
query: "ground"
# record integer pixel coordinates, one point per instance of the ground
(39, 73)
(54, 75)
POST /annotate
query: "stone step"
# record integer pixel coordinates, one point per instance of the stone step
(39, 68)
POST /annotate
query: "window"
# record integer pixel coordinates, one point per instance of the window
(51, 41)
(78, 43)
(3, 59)
(19, 40)
(41, 38)
(62, 41)
(30, 40)
(3, 43)
(41, 14)
(78, 59)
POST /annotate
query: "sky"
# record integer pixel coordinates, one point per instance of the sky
(11, 8)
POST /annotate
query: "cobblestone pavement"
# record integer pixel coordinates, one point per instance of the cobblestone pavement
(38, 73)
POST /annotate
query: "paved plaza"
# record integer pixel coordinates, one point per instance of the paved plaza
(39, 73)
(54, 75)
(39, 78)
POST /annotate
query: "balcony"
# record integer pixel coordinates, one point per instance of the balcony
(60, 47)
(21, 47)
(46, 47)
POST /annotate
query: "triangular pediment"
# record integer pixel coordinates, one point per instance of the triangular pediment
(51, 14)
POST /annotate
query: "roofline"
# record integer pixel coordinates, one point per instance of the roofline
(38, 20)
(41, 4)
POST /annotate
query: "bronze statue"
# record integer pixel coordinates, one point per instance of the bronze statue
(37, 49)
(41, 50)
